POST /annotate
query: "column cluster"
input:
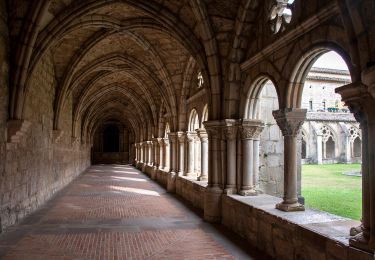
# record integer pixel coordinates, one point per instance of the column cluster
(360, 98)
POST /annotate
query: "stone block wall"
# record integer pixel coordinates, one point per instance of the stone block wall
(42, 162)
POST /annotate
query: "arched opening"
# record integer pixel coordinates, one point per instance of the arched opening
(303, 150)
(269, 160)
(327, 120)
(111, 139)
(194, 146)
(111, 143)
(357, 148)
(193, 121)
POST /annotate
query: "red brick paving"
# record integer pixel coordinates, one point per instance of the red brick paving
(115, 212)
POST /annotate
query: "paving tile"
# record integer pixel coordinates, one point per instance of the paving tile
(116, 212)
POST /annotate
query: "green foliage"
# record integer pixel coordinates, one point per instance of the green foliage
(325, 188)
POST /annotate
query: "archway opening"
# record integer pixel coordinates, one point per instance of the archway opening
(269, 170)
(330, 142)
(111, 139)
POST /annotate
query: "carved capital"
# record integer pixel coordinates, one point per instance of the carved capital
(191, 136)
(181, 137)
(214, 129)
(160, 141)
(251, 128)
(290, 120)
(202, 134)
(230, 132)
(166, 141)
(172, 137)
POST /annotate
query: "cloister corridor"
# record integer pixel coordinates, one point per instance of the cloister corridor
(117, 212)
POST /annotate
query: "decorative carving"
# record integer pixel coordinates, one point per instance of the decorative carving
(290, 120)
(191, 136)
(230, 132)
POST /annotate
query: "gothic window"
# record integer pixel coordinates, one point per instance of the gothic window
(328, 147)
(355, 142)
(281, 14)
(200, 80)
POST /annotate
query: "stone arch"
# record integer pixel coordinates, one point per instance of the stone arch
(251, 103)
(204, 115)
(303, 64)
(193, 120)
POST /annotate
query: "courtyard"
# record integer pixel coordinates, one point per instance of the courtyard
(325, 188)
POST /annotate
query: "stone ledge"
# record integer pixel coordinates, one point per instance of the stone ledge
(288, 235)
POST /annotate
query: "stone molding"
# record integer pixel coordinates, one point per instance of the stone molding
(16, 129)
(290, 120)
(368, 78)
(57, 135)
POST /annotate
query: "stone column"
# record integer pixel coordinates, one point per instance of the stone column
(361, 101)
(196, 155)
(202, 134)
(319, 149)
(230, 132)
(171, 183)
(155, 158)
(256, 162)
(181, 153)
(213, 193)
(142, 154)
(348, 149)
(250, 130)
(167, 155)
(149, 150)
(160, 153)
(191, 136)
(290, 121)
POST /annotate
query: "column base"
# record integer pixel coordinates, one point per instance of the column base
(356, 230)
(171, 182)
(190, 174)
(212, 204)
(290, 207)
(361, 241)
(230, 191)
(202, 178)
(250, 192)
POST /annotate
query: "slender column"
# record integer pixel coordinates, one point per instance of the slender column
(155, 156)
(181, 153)
(190, 161)
(290, 121)
(250, 130)
(142, 157)
(171, 184)
(166, 154)
(213, 193)
(196, 155)
(202, 134)
(348, 149)
(231, 137)
(149, 150)
(160, 153)
(256, 163)
(319, 141)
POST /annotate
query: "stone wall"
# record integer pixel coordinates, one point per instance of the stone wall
(44, 161)
(4, 84)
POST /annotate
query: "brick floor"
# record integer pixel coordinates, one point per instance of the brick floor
(116, 212)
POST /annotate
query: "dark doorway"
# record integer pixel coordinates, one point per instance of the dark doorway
(111, 139)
